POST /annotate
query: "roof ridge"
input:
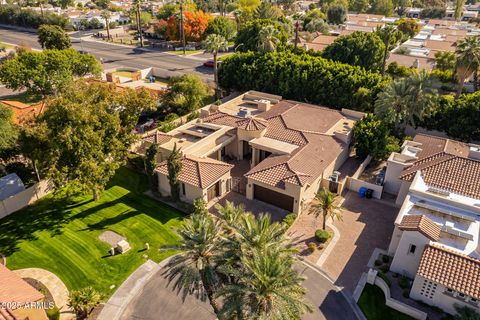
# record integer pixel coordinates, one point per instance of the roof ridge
(438, 154)
(296, 130)
(266, 168)
(200, 182)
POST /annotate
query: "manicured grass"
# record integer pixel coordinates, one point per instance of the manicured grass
(60, 233)
(180, 52)
(372, 303)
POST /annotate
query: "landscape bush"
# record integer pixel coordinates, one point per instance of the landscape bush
(289, 219)
(312, 247)
(403, 282)
(302, 77)
(378, 262)
(385, 258)
(322, 235)
(384, 268)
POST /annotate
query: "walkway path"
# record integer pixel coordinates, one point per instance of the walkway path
(56, 287)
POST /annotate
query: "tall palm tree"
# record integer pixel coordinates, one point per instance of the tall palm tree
(193, 268)
(268, 287)
(390, 37)
(106, 15)
(137, 4)
(326, 206)
(468, 60)
(268, 39)
(230, 213)
(406, 99)
(213, 44)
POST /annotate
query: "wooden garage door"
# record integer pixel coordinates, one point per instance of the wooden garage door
(270, 196)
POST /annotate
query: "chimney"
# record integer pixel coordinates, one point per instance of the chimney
(474, 152)
(264, 105)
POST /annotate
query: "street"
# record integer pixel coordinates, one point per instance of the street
(120, 56)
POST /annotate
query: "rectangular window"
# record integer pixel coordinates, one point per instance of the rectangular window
(412, 248)
(183, 188)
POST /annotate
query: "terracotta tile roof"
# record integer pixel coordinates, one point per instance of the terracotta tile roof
(443, 163)
(23, 112)
(199, 172)
(222, 118)
(409, 61)
(277, 129)
(157, 137)
(422, 224)
(252, 124)
(451, 269)
(15, 289)
(440, 45)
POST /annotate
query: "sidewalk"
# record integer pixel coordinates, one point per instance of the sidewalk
(56, 287)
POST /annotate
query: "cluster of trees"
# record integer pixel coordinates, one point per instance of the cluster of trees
(302, 77)
(242, 265)
(18, 16)
(53, 37)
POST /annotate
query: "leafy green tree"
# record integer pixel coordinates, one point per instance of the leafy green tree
(249, 34)
(193, 269)
(325, 205)
(445, 60)
(336, 14)
(166, 11)
(8, 132)
(406, 100)
(222, 26)
(186, 93)
(78, 139)
(390, 37)
(313, 14)
(53, 37)
(215, 43)
(359, 48)
(397, 71)
(83, 301)
(465, 313)
(433, 13)
(266, 11)
(384, 7)
(268, 39)
(174, 165)
(151, 164)
(372, 137)
(401, 6)
(102, 4)
(268, 287)
(410, 27)
(459, 5)
(168, 124)
(47, 72)
(317, 25)
(468, 61)
(359, 6)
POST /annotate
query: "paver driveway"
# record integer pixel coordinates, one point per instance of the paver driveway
(366, 224)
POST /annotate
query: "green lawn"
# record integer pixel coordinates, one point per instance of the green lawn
(60, 233)
(187, 52)
(372, 303)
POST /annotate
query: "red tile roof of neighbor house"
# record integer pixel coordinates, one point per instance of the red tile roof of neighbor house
(296, 123)
(444, 164)
(422, 224)
(157, 137)
(426, 63)
(252, 124)
(199, 172)
(23, 112)
(451, 269)
(15, 289)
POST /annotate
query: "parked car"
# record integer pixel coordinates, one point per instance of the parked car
(210, 63)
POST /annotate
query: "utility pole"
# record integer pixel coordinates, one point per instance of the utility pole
(296, 35)
(139, 25)
(182, 29)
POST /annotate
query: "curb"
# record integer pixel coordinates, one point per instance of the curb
(326, 253)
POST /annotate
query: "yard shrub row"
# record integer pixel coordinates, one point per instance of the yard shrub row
(302, 77)
(28, 18)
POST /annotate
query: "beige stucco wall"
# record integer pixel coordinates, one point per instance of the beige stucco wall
(435, 294)
(396, 235)
(404, 262)
(402, 193)
(392, 182)
(191, 192)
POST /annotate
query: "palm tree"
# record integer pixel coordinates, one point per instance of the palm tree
(390, 37)
(406, 99)
(213, 44)
(326, 206)
(137, 4)
(267, 287)
(193, 268)
(230, 213)
(468, 60)
(174, 166)
(83, 301)
(268, 39)
(106, 16)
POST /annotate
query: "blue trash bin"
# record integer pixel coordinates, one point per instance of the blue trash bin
(362, 192)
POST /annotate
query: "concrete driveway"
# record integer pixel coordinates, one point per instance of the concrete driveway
(157, 301)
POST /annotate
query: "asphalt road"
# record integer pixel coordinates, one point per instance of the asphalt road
(120, 56)
(157, 301)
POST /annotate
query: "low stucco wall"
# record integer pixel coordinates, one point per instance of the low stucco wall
(25, 198)
(354, 183)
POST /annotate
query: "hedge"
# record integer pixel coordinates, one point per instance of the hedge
(302, 77)
(28, 18)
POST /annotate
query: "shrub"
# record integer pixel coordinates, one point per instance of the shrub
(385, 258)
(385, 278)
(406, 293)
(53, 313)
(312, 247)
(384, 268)
(378, 262)
(289, 219)
(403, 282)
(322, 235)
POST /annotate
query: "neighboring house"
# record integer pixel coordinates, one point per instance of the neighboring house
(18, 298)
(282, 151)
(10, 185)
(436, 235)
(23, 112)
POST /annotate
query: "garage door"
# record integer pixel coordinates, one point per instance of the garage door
(276, 198)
